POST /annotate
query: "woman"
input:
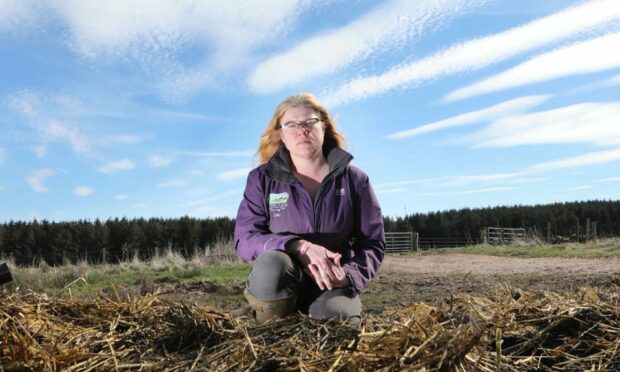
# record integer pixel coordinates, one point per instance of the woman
(310, 221)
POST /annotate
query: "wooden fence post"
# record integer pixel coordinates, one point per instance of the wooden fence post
(587, 229)
(548, 232)
(414, 241)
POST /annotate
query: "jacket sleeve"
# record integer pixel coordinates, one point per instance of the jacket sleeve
(369, 240)
(252, 234)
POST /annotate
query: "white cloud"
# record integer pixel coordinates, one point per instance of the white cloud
(114, 166)
(610, 179)
(173, 182)
(14, 14)
(57, 131)
(233, 174)
(584, 187)
(82, 191)
(593, 158)
(121, 196)
(614, 80)
(36, 179)
(457, 180)
(381, 29)
(475, 54)
(229, 154)
(466, 192)
(159, 161)
(390, 191)
(129, 139)
(592, 123)
(139, 205)
(42, 112)
(238, 192)
(492, 112)
(40, 151)
(155, 34)
(585, 57)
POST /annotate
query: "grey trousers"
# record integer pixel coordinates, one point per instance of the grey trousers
(276, 275)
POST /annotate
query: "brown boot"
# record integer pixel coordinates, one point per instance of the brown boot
(242, 311)
(267, 310)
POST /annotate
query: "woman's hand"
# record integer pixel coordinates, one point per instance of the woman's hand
(323, 266)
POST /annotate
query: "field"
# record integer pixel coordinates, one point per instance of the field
(485, 286)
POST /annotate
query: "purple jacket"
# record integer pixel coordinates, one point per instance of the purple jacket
(345, 216)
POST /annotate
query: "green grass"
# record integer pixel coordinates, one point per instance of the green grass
(87, 280)
(592, 249)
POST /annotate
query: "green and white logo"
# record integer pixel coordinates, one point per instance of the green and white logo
(281, 198)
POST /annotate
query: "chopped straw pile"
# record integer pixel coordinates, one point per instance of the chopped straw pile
(510, 331)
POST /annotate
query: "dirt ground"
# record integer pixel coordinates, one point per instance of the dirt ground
(433, 278)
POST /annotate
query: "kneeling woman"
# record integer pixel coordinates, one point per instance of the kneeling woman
(309, 220)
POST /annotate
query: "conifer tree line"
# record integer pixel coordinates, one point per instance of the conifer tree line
(120, 239)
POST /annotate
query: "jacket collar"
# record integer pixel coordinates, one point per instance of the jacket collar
(279, 166)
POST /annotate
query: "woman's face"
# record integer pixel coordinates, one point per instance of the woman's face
(306, 141)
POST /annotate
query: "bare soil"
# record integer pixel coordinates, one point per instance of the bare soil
(405, 279)
(434, 278)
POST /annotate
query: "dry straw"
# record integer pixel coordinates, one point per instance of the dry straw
(511, 331)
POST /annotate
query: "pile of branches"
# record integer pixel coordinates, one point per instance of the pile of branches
(512, 330)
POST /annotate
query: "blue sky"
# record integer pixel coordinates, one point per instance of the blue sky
(153, 108)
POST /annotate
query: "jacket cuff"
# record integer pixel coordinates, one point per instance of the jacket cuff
(278, 243)
(355, 277)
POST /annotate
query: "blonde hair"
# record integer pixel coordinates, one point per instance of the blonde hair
(271, 138)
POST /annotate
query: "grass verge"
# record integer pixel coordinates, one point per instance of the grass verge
(83, 280)
(592, 249)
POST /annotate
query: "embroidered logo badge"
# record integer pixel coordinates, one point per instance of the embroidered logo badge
(278, 203)
(280, 198)
(340, 192)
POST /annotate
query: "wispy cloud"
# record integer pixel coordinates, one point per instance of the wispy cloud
(57, 131)
(459, 180)
(121, 196)
(83, 191)
(128, 139)
(233, 174)
(60, 118)
(489, 113)
(475, 54)
(40, 151)
(223, 195)
(584, 187)
(609, 179)
(35, 179)
(390, 191)
(154, 34)
(160, 161)
(173, 182)
(465, 192)
(384, 28)
(592, 123)
(585, 57)
(229, 154)
(613, 81)
(114, 166)
(593, 158)
(15, 14)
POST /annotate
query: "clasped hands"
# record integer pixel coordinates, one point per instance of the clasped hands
(322, 265)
